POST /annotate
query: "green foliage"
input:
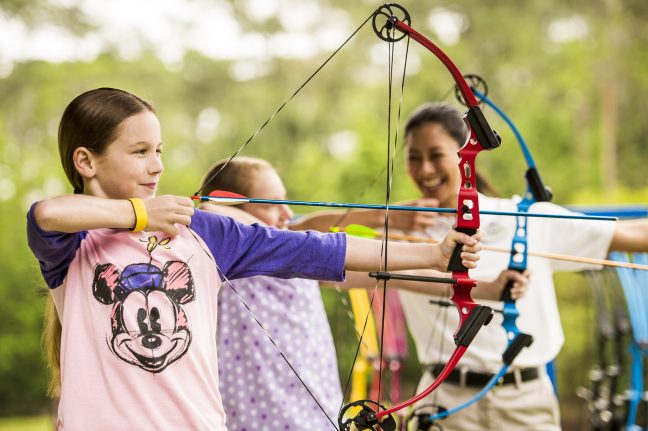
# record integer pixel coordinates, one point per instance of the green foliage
(37, 423)
(567, 98)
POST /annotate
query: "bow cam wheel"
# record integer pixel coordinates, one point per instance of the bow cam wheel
(476, 82)
(360, 416)
(388, 14)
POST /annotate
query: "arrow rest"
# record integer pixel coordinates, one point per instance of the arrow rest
(387, 11)
(365, 418)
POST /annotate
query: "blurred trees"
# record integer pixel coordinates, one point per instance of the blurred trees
(573, 78)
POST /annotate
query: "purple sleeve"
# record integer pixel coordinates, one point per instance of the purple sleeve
(245, 251)
(54, 250)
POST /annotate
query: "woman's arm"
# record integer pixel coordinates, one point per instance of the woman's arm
(401, 220)
(76, 213)
(323, 220)
(630, 235)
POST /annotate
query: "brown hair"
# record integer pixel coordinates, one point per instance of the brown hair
(92, 121)
(236, 176)
(445, 115)
(51, 339)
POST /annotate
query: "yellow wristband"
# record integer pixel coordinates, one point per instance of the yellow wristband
(141, 218)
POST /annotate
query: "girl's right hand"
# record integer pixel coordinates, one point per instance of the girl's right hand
(164, 212)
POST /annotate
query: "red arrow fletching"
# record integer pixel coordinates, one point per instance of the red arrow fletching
(226, 198)
(224, 194)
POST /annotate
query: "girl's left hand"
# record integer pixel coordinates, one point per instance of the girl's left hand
(470, 250)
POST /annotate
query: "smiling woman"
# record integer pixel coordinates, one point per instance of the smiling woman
(433, 134)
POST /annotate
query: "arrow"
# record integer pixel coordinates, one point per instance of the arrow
(229, 198)
(367, 232)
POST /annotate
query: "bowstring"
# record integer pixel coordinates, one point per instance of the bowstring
(236, 153)
(390, 175)
(389, 168)
(388, 189)
(391, 157)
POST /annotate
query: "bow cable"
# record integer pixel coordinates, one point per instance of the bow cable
(217, 173)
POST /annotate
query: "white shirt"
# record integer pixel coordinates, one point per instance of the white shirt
(432, 327)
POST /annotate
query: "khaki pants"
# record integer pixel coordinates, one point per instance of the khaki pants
(519, 406)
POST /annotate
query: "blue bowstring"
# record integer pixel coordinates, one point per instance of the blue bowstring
(399, 208)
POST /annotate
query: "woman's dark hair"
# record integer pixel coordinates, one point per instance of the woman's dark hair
(91, 120)
(447, 116)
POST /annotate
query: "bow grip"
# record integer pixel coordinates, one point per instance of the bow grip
(455, 260)
(506, 292)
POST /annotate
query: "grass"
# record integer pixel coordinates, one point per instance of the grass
(29, 423)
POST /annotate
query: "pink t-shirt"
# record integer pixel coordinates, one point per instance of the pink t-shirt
(139, 313)
(144, 328)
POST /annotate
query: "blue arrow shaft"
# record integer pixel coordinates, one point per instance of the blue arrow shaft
(400, 208)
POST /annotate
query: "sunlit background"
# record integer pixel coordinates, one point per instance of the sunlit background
(572, 75)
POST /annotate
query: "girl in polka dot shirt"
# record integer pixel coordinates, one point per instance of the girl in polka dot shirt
(260, 392)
